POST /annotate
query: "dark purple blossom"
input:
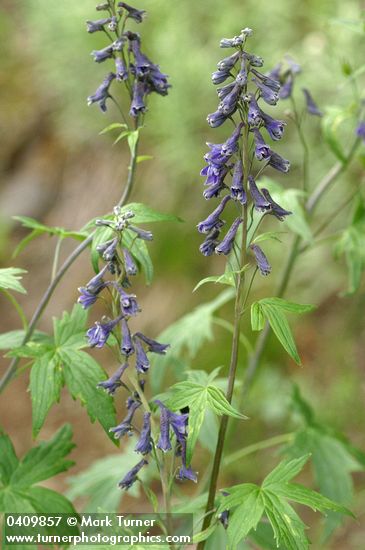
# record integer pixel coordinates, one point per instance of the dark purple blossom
(311, 106)
(278, 211)
(254, 60)
(287, 88)
(268, 81)
(262, 150)
(237, 190)
(164, 443)
(213, 219)
(133, 13)
(186, 473)
(268, 94)
(254, 113)
(261, 204)
(125, 427)
(130, 266)
(141, 233)
(228, 62)
(94, 26)
(360, 131)
(127, 347)
(142, 362)
(261, 260)
(128, 303)
(229, 104)
(121, 70)
(242, 76)
(225, 90)
(207, 248)
(179, 423)
(109, 252)
(144, 445)
(87, 298)
(275, 128)
(96, 283)
(226, 244)
(220, 76)
(102, 93)
(102, 55)
(274, 74)
(153, 345)
(215, 173)
(278, 162)
(131, 476)
(138, 105)
(216, 119)
(99, 334)
(114, 382)
(214, 190)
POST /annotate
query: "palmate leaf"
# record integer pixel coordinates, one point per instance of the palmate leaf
(333, 458)
(272, 309)
(14, 338)
(10, 279)
(199, 398)
(247, 504)
(187, 335)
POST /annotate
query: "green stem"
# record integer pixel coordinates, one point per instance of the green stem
(271, 442)
(234, 356)
(304, 144)
(56, 258)
(17, 306)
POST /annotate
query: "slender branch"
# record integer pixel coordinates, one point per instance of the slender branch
(265, 444)
(56, 257)
(10, 372)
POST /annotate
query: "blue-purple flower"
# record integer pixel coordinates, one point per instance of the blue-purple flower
(142, 362)
(213, 219)
(153, 345)
(237, 190)
(262, 150)
(94, 26)
(311, 105)
(114, 382)
(132, 475)
(133, 13)
(127, 347)
(261, 260)
(278, 211)
(125, 427)
(226, 245)
(360, 131)
(260, 202)
(278, 162)
(102, 93)
(100, 332)
(144, 445)
(164, 442)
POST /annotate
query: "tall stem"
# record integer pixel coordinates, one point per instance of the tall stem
(234, 355)
(10, 372)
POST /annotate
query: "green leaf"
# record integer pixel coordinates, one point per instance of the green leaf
(45, 460)
(199, 398)
(268, 235)
(225, 279)
(145, 214)
(285, 471)
(121, 136)
(14, 338)
(113, 126)
(245, 517)
(332, 122)
(8, 459)
(188, 334)
(272, 310)
(69, 331)
(302, 495)
(203, 535)
(82, 374)
(46, 381)
(143, 158)
(139, 251)
(9, 279)
(133, 138)
(40, 228)
(351, 244)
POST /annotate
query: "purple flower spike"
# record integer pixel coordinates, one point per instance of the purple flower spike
(254, 113)
(228, 62)
(133, 13)
(287, 88)
(360, 131)
(311, 106)
(237, 191)
(213, 219)
(279, 163)
(131, 476)
(114, 382)
(141, 233)
(207, 248)
(213, 190)
(125, 427)
(261, 260)
(144, 445)
(261, 204)
(130, 266)
(275, 128)
(229, 104)
(94, 26)
(142, 362)
(153, 346)
(262, 150)
(102, 55)
(216, 119)
(231, 145)
(226, 245)
(102, 93)
(139, 91)
(164, 443)
(127, 347)
(276, 209)
(99, 334)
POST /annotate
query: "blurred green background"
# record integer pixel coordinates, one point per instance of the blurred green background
(54, 166)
